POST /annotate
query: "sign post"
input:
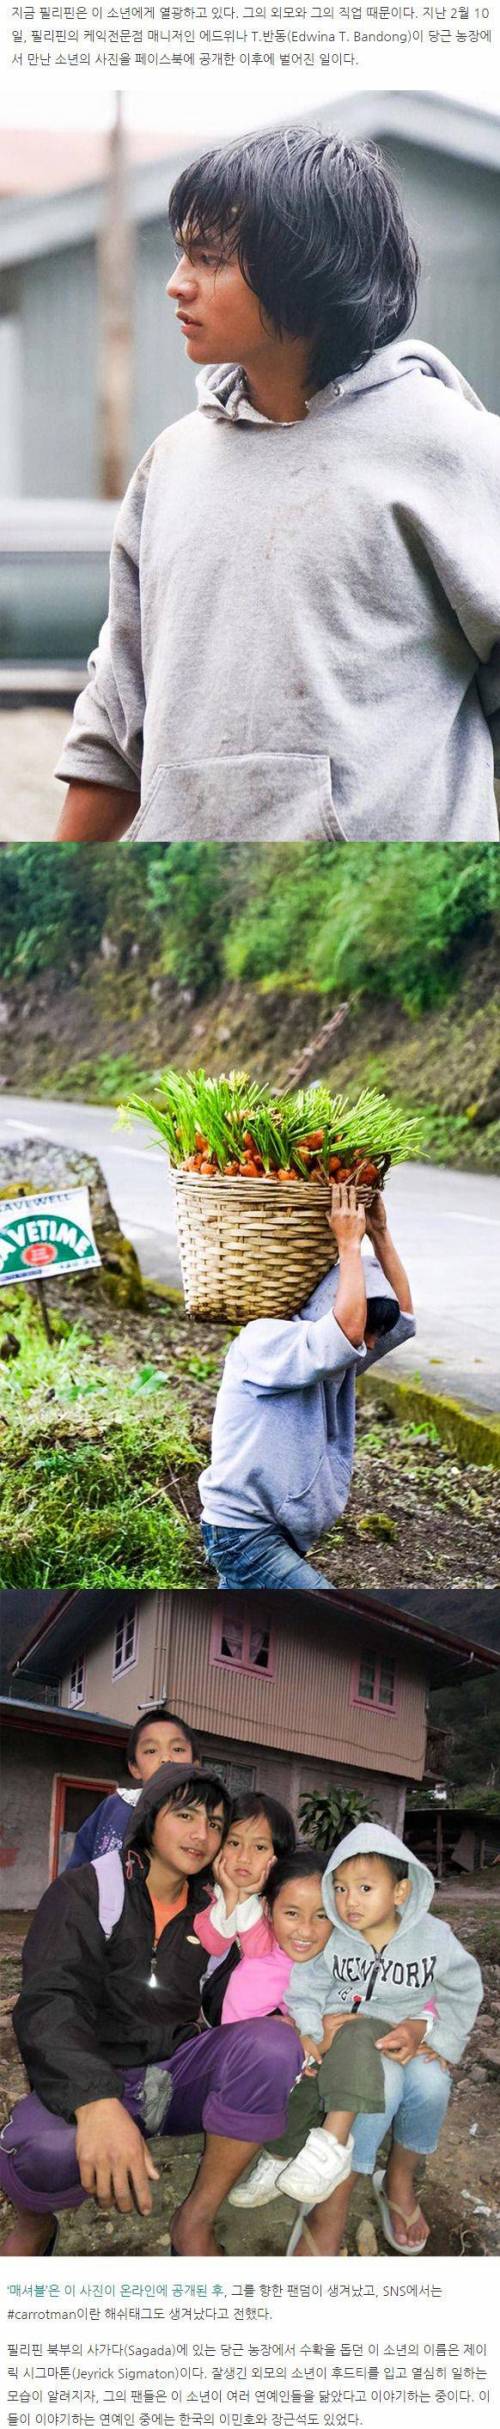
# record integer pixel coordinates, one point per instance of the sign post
(42, 1234)
(49, 1336)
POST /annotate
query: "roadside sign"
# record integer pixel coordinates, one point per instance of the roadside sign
(46, 1235)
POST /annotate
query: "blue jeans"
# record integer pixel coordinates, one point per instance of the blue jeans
(261, 1556)
(417, 2098)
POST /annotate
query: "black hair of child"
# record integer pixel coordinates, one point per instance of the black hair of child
(382, 1315)
(204, 1790)
(159, 1712)
(248, 1806)
(395, 1864)
(302, 1864)
(318, 229)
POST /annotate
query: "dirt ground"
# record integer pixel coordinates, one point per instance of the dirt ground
(462, 2181)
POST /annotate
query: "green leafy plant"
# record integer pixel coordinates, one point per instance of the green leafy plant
(325, 1819)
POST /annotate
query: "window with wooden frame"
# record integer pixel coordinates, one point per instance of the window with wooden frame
(125, 1652)
(241, 1644)
(374, 1682)
(77, 1680)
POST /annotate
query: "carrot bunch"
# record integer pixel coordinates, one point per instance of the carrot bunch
(237, 1128)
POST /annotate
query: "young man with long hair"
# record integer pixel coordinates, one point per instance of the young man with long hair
(304, 620)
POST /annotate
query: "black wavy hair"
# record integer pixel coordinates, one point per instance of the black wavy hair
(158, 1712)
(318, 229)
(382, 1314)
(300, 1865)
(246, 1808)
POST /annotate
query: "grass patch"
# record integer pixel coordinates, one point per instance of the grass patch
(94, 1466)
(426, 1417)
(486, 1940)
(105, 1078)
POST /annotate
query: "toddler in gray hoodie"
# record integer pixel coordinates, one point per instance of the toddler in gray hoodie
(387, 1959)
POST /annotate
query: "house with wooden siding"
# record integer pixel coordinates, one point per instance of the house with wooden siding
(287, 1694)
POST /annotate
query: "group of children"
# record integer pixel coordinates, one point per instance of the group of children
(347, 1950)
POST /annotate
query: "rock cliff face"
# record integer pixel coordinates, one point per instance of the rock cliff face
(36, 1164)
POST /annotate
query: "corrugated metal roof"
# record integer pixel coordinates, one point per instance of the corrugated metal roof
(25, 1715)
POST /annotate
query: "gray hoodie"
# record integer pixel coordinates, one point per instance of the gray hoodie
(422, 1966)
(283, 1431)
(303, 636)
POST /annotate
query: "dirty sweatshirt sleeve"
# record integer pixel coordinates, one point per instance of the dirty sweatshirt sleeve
(457, 1988)
(104, 743)
(56, 2016)
(461, 534)
(275, 1356)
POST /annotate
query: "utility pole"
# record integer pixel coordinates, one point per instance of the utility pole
(115, 319)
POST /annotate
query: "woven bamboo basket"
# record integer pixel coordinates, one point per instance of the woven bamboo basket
(253, 1248)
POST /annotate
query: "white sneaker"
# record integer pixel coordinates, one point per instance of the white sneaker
(319, 2167)
(258, 2188)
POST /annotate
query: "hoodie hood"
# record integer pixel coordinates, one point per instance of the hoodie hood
(158, 1790)
(221, 387)
(323, 1296)
(423, 1972)
(370, 1839)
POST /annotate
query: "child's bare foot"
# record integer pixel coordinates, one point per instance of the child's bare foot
(30, 2235)
(326, 2223)
(192, 2234)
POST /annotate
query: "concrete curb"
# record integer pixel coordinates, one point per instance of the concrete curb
(476, 1439)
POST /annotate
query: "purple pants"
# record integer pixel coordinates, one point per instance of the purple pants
(234, 2081)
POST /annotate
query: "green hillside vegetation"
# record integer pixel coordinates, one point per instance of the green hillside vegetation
(202, 954)
(471, 1717)
(390, 919)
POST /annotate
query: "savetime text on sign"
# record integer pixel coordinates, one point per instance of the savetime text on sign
(46, 1235)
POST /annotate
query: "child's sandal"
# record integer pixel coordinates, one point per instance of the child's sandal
(409, 2217)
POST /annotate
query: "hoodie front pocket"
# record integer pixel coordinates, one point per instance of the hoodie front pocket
(308, 1512)
(268, 796)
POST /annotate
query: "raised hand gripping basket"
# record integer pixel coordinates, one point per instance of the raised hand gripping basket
(250, 1247)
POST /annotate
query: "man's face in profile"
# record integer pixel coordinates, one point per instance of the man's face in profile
(220, 317)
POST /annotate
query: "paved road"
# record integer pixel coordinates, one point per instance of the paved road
(31, 739)
(447, 1225)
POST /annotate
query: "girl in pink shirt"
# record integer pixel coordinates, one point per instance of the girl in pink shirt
(261, 1830)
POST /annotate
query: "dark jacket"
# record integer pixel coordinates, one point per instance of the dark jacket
(104, 1828)
(86, 2011)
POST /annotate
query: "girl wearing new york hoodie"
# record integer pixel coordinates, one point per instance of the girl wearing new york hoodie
(389, 1963)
